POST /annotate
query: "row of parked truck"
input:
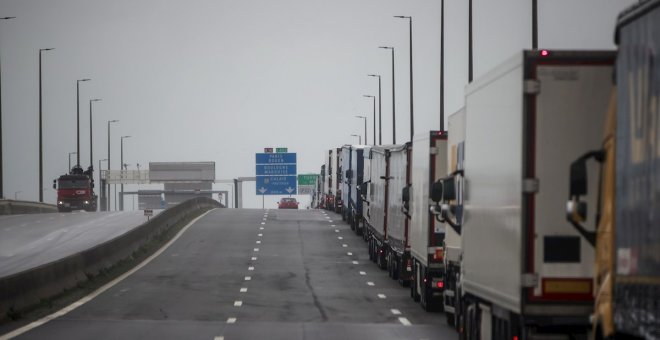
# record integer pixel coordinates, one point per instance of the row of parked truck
(537, 213)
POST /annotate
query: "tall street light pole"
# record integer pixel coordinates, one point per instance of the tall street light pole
(70, 153)
(365, 128)
(78, 119)
(442, 65)
(535, 25)
(393, 99)
(91, 153)
(470, 56)
(2, 192)
(108, 199)
(41, 144)
(365, 131)
(380, 117)
(121, 199)
(102, 186)
(412, 125)
(359, 138)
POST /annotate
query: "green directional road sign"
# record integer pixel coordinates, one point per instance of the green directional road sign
(281, 150)
(309, 179)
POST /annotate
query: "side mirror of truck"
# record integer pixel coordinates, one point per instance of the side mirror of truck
(54, 184)
(448, 189)
(578, 179)
(576, 211)
(436, 192)
(405, 197)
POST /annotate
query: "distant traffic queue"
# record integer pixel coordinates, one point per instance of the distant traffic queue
(475, 220)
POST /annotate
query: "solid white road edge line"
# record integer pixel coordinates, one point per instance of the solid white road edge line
(99, 291)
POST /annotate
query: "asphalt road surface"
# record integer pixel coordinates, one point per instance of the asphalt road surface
(254, 274)
(27, 241)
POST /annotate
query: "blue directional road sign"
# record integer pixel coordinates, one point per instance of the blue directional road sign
(276, 158)
(276, 185)
(276, 169)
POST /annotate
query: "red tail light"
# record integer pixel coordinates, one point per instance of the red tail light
(439, 254)
(440, 284)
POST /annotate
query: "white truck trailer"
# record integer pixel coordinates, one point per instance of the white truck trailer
(526, 272)
(365, 192)
(378, 196)
(449, 192)
(429, 163)
(399, 263)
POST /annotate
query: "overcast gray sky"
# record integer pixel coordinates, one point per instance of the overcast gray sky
(219, 80)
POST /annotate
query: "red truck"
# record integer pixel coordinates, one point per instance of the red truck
(75, 191)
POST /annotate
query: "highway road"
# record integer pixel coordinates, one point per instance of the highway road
(254, 274)
(27, 241)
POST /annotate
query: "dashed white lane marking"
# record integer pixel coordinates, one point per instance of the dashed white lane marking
(256, 249)
(264, 219)
(231, 320)
(238, 303)
(356, 262)
(333, 225)
(330, 221)
(248, 278)
(263, 222)
(261, 228)
(340, 238)
(260, 235)
(327, 217)
(344, 245)
(349, 254)
(370, 283)
(219, 338)
(244, 290)
(404, 321)
(336, 230)
(254, 258)
(250, 268)
(363, 273)
(382, 296)
(395, 311)
(258, 242)
(99, 291)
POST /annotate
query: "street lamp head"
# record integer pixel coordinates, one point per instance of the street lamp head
(403, 17)
(373, 75)
(95, 100)
(113, 121)
(6, 18)
(386, 47)
(122, 137)
(367, 96)
(361, 117)
(85, 79)
(46, 49)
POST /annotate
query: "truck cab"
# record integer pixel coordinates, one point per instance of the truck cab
(75, 192)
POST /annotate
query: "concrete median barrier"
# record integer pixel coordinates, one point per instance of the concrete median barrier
(12, 207)
(27, 289)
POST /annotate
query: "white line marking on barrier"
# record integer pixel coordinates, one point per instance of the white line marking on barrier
(99, 291)
(404, 321)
